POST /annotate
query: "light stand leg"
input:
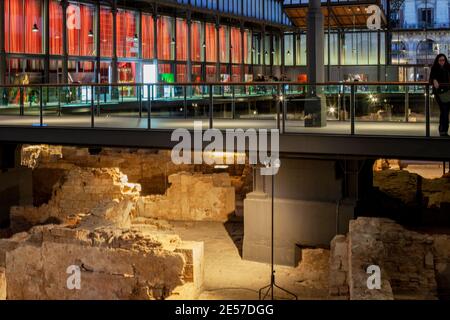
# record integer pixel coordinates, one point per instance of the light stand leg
(270, 288)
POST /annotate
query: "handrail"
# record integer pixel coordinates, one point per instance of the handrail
(254, 83)
(277, 93)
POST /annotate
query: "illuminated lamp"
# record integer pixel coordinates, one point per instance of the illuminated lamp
(90, 34)
(35, 28)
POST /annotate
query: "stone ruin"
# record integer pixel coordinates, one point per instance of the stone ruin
(120, 255)
(148, 167)
(90, 190)
(87, 214)
(413, 265)
(101, 219)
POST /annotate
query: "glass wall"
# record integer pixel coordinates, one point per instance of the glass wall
(211, 42)
(166, 38)
(148, 36)
(224, 44)
(23, 26)
(81, 31)
(181, 40)
(106, 32)
(127, 34)
(55, 21)
(198, 43)
(224, 52)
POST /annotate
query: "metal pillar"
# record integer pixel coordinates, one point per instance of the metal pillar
(98, 44)
(114, 74)
(46, 42)
(315, 107)
(65, 61)
(218, 49)
(315, 43)
(189, 48)
(2, 44)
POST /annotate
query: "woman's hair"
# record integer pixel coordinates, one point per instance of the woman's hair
(436, 61)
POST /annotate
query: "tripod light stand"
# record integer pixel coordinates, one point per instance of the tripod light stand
(269, 289)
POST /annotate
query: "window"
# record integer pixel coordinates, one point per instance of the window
(148, 41)
(106, 32)
(181, 47)
(224, 44)
(211, 43)
(236, 52)
(80, 30)
(426, 16)
(55, 20)
(197, 41)
(127, 37)
(23, 26)
(166, 40)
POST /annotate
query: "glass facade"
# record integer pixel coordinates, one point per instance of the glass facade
(418, 30)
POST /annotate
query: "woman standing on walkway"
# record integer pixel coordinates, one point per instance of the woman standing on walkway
(440, 79)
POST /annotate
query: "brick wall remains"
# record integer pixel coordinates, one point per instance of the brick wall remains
(413, 265)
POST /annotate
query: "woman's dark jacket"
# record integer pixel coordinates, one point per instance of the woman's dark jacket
(441, 74)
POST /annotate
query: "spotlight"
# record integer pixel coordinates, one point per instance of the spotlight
(90, 34)
(35, 28)
(136, 38)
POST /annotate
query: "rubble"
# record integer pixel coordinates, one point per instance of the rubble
(408, 187)
(413, 265)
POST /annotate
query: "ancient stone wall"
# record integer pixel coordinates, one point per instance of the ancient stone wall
(408, 187)
(2, 284)
(194, 197)
(441, 250)
(413, 265)
(114, 264)
(150, 168)
(120, 256)
(80, 191)
(339, 267)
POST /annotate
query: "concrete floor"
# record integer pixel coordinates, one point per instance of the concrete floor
(412, 129)
(228, 277)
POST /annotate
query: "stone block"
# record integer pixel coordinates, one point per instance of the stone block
(130, 266)
(2, 284)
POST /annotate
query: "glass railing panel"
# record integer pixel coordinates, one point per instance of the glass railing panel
(11, 101)
(67, 106)
(256, 106)
(389, 110)
(320, 109)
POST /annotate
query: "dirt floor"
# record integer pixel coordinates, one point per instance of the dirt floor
(228, 276)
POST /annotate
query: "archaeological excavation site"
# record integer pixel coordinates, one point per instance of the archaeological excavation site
(83, 223)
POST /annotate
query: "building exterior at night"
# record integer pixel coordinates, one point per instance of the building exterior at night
(187, 40)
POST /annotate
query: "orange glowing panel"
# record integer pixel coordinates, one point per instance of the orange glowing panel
(148, 41)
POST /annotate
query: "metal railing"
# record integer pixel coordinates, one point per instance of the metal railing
(332, 107)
